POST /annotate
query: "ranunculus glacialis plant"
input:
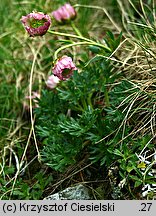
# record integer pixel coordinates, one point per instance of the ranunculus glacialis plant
(64, 68)
(36, 23)
(64, 13)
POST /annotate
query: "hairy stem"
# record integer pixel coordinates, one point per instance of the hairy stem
(90, 42)
(76, 44)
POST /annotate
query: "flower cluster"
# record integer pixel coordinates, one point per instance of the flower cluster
(37, 24)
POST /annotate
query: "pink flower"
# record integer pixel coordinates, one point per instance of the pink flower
(36, 23)
(64, 68)
(52, 81)
(64, 13)
(35, 95)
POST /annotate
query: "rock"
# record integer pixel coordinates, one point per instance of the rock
(78, 192)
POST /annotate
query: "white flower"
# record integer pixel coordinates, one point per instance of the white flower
(52, 81)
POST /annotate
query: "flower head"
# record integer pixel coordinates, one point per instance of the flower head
(64, 68)
(64, 13)
(52, 81)
(36, 23)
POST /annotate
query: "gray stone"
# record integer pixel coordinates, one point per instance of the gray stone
(78, 192)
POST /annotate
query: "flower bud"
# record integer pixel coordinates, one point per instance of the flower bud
(64, 68)
(52, 81)
(36, 23)
(64, 13)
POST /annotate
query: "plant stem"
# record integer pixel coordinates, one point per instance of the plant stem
(74, 44)
(81, 38)
(107, 98)
(76, 29)
(89, 100)
(78, 108)
(84, 103)
(67, 46)
(69, 35)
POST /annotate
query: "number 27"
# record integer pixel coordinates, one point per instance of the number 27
(146, 206)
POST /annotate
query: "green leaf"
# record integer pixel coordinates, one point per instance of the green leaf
(137, 183)
(134, 177)
(95, 49)
(117, 152)
(129, 169)
(141, 165)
